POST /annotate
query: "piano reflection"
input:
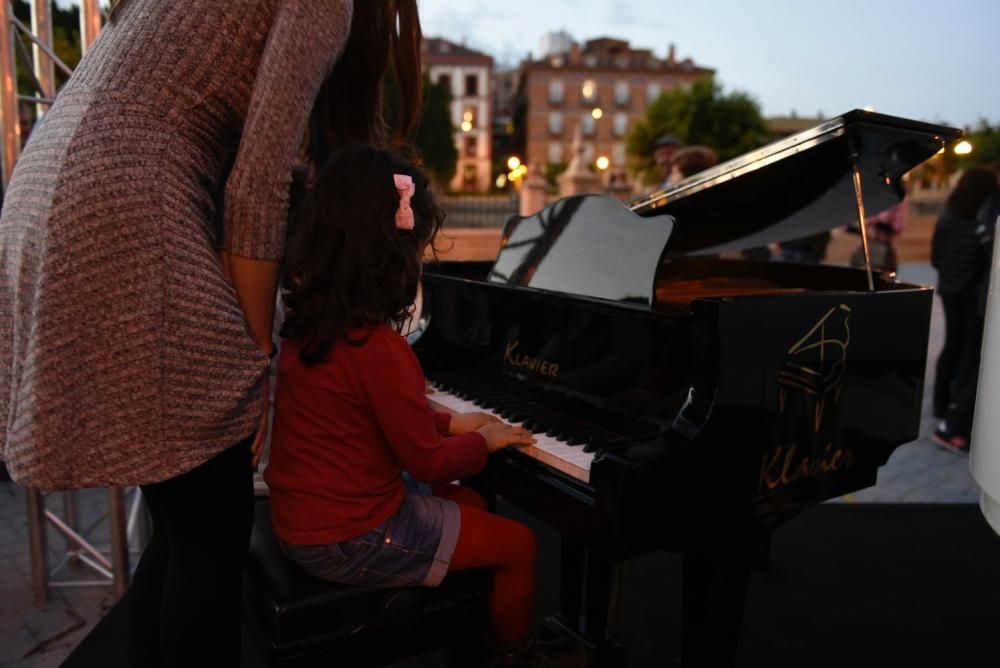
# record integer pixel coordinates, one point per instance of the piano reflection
(689, 403)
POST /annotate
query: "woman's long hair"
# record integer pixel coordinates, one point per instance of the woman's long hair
(115, 6)
(972, 189)
(347, 263)
(384, 40)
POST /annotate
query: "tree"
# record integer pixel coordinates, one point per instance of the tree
(702, 114)
(435, 137)
(985, 140)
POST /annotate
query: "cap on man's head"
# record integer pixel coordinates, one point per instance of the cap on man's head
(667, 140)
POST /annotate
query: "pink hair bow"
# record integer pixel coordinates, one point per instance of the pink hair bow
(404, 214)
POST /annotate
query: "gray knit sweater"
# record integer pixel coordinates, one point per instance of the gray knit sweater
(124, 356)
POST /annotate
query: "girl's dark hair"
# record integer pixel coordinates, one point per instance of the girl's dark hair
(347, 263)
(384, 40)
(972, 189)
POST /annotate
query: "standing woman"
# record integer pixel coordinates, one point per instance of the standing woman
(140, 243)
(960, 251)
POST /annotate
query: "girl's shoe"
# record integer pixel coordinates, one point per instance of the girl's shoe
(949, 440)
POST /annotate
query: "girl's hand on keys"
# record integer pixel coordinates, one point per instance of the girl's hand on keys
(465, 422)
(499, 435)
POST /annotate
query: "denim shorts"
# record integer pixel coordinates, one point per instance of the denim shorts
(411, 548)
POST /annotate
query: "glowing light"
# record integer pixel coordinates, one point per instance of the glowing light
(467, 116)
(603, 162)
(963, 148)
(466, 126)
(869, 108)
(597, 113)
(517, 173)
(588, 89)
(940, 151)
(501, 181)
(513, 162)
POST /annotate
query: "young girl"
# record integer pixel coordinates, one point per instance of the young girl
(351, 413)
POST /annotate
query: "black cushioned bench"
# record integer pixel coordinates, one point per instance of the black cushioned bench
(294, 619)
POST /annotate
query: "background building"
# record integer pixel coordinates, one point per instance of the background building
(554, 43)
(602, 86)
(783, 126)
(468, 75)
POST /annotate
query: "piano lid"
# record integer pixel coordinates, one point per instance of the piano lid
(585, 245)
(797, 186)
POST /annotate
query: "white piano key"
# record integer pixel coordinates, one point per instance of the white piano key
(570, 459)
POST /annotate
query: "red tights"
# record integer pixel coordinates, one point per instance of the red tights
(489, 541)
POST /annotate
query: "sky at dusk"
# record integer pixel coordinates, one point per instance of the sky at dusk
(930, 60)
(933, 60)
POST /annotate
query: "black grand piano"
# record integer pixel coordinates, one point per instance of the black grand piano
(682, 401)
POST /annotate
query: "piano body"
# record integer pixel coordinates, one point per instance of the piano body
(682, 401)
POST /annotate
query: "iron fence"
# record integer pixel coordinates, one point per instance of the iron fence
(478, 211)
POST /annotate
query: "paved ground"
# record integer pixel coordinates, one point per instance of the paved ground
(34, 638)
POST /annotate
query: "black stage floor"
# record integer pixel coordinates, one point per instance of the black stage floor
(848, 585)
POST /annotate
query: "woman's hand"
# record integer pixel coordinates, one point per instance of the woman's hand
(462, 423)
(499, 435)
(260, 438)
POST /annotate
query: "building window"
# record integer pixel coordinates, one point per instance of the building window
(622, 93)
(471, 146)
(588, 152)
(652, 92)
(555, 152)
(471, 85)
(620, 124)
(588, 92)
(618, 154)
(589, 125)
(557, 92)
(590, 60)
(555, 123)
(445, 80)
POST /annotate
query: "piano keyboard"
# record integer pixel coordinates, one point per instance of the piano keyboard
(570, 459)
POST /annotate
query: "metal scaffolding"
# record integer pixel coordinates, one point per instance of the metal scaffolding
(41, 62)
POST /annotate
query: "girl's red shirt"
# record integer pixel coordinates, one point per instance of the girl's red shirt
(345, 430)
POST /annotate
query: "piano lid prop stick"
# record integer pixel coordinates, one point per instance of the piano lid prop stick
(856, 173)
(985, 452)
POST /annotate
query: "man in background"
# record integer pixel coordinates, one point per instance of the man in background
(664, 150)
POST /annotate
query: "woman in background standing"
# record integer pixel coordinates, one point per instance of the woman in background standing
(960, 253)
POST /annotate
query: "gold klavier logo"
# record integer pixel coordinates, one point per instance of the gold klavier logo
(808, 441)
(513, 358)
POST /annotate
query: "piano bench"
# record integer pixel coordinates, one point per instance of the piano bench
(293, 619)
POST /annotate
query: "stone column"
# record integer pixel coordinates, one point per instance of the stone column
(533, 189)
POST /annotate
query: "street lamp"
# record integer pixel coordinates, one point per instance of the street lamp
(513, 162)
(963, 148)
(603, 163)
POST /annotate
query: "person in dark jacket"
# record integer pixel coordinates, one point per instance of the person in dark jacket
(960, 253)
(805, 250)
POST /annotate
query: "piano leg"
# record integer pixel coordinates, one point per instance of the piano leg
(715, 589)
(590, 586)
